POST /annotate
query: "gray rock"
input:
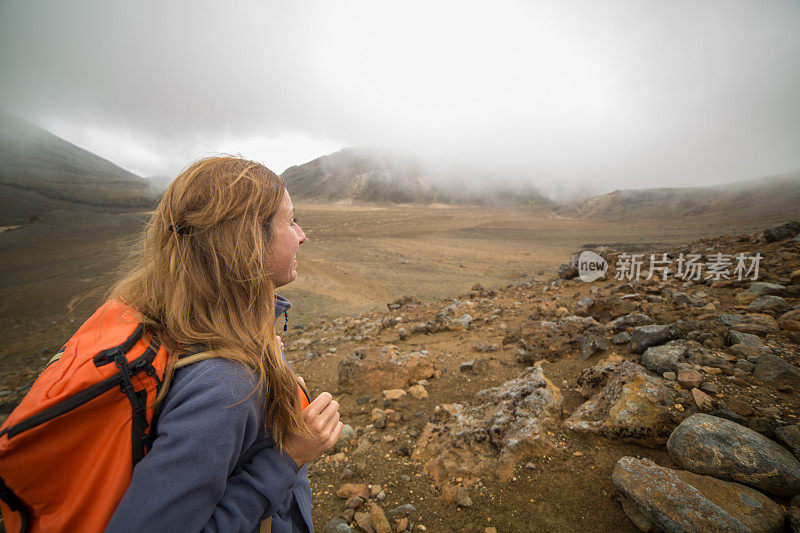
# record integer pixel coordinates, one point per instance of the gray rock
(621, 337)
(464, 320)
(763, 288)
(644, 337)
(763, 424)
(794, 511)
(661, 499)
(403, 510)
(633, 319)
(582, 306)
(681, 298)
(782, 231)
(709, 445)
(730, 320)
(745, 366)
(664, 358)
(748, 339)
(347, 435)
(723, 411)
(709, 387)
(474, 365)
(790, 437)
(462, 497)
(768, 304)
(592, 344)
(337, 525)
(777, 371)
(744, 351)
(567, 271)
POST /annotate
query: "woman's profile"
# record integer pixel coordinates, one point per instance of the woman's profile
(231, 442)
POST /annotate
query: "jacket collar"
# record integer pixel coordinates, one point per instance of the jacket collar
(281, 305)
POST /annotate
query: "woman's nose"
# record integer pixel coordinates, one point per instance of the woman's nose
(301, 235)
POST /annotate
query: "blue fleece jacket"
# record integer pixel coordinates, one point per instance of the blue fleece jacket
(211, 467)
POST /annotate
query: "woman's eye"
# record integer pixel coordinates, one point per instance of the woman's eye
(295, 222)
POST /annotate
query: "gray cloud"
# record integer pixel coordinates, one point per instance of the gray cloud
(571, 95)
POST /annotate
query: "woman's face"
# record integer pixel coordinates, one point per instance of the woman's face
(286, 237)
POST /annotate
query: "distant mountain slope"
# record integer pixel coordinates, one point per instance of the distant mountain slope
(368, 176)
(771, 198)
(40, 172)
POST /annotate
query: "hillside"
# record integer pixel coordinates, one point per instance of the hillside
(40, 172)
(775, 198)
(368, 176)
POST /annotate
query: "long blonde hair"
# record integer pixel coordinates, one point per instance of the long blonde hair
(201, 277)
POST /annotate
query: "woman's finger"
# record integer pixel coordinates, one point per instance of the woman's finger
(319, 403)
(337, 431)
(327, 414)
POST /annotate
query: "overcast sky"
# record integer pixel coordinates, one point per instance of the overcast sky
(569, 95)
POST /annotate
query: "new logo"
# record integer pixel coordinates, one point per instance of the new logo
(591, 266)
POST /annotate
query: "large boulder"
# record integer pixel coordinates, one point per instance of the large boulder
(491, 436)
(768, 304)
(660, 499)
(773, 369)
(665, 358)
(790, 437)
(634, 405)
(762, 288)
(630, 320)
(377, 369)
(709, 445)
(748, 339)
(782, 231)
(643, 337)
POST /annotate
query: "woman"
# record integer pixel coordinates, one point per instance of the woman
(231, 442)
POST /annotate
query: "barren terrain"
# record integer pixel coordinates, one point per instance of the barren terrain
(359, 258)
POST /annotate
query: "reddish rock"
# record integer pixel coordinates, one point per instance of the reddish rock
(379, 520)
(691, 379)
(377, 369)
(349, 490)
(702, 400)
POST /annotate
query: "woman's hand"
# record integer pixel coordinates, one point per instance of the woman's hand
(280, 342)
(322, 418)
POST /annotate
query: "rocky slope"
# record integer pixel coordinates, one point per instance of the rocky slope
(777, 196)
(615, 405)
(563, 405)
(41, 172)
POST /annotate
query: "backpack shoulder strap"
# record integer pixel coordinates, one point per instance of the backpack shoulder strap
(194, 358)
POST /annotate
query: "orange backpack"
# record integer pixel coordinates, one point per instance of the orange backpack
(68, 450)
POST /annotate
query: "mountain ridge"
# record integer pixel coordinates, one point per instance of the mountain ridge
(40, 171)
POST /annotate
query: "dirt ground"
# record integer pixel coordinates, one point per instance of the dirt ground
(357, 259)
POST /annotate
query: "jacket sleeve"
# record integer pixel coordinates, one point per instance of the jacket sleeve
(193, 478)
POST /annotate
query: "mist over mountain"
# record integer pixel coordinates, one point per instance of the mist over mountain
(769, 198)
(364, 175)
(40, 172)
